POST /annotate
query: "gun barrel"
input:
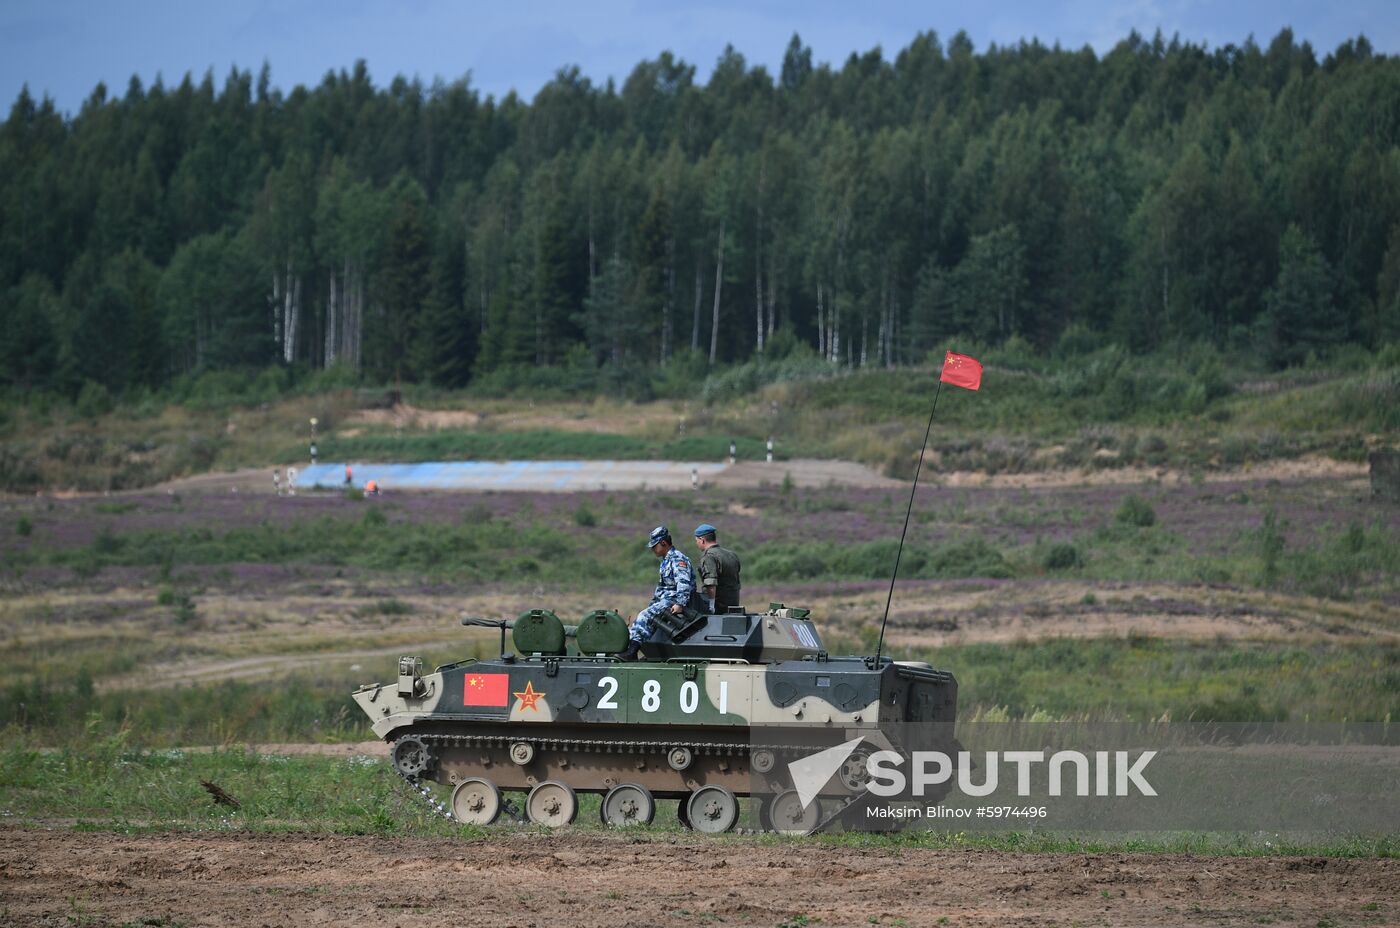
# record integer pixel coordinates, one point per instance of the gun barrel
(570, 631)
(485, 623)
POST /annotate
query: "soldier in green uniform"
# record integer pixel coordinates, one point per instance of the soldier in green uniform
(719, 570)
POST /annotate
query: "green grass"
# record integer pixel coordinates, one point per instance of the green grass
(308, 708)
(536, 445)
(111, 783)
(1140, 678)
(108, 786)
(1133, 679)
(477, 547)
(1358, 562)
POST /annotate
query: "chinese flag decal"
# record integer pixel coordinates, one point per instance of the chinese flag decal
(486, 689)
(962, 371)
(529, 698)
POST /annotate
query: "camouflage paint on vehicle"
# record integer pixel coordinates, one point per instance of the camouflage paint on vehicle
(712, 701)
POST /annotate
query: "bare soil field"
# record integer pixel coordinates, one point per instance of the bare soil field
(63, 877)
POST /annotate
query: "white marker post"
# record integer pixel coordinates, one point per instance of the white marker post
(770, 449)
(733, 452)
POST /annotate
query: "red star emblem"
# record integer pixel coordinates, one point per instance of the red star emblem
(529, 698)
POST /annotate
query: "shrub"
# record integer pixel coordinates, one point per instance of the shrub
(584, 517)
(1134, 510)
(85, 564)
(107, 543)
(874, 560)
(1337, 566)
(185, 611)
(1077, 340)
(19, 467)
(968, 559)
(1062, 556)
(1195, 400)
(23, 527)
(802, 564)
(745, 380)
(1244, 707)
(93, 400)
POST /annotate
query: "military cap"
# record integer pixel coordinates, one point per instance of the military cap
(704, 528)
(659, 534)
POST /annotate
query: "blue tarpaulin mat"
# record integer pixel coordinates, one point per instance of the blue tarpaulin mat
(509, 475)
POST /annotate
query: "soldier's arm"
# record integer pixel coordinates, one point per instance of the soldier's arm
(709, 576)
(685, 584)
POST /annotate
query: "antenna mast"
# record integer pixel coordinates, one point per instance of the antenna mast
(879, 646)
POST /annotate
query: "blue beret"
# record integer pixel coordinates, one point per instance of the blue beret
(704, 528)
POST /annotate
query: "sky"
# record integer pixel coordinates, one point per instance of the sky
(63, 48)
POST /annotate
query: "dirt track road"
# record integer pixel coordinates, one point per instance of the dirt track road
(807, 472)
(64, 877)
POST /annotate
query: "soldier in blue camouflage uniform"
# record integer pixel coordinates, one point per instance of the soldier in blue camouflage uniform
(675, 590)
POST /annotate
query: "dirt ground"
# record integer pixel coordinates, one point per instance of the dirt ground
(63, 877)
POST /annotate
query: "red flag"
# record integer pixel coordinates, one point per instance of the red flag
(486, 689)
(962, 371)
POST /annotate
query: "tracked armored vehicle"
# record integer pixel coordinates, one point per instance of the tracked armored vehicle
(719, 707)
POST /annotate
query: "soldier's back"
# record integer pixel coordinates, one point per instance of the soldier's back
(722, 565)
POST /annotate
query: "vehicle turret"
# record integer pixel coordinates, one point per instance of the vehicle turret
(780, 633)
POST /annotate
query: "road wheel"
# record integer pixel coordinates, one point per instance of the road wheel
(476, 801)
(627, 805)
(552, 804)
(789, 816)
(854, 773)
(679, 758)
(412, 757)
(712, 809)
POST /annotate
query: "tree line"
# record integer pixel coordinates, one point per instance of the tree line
(1164, 193)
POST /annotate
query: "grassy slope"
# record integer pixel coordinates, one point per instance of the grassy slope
(1101, 410)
